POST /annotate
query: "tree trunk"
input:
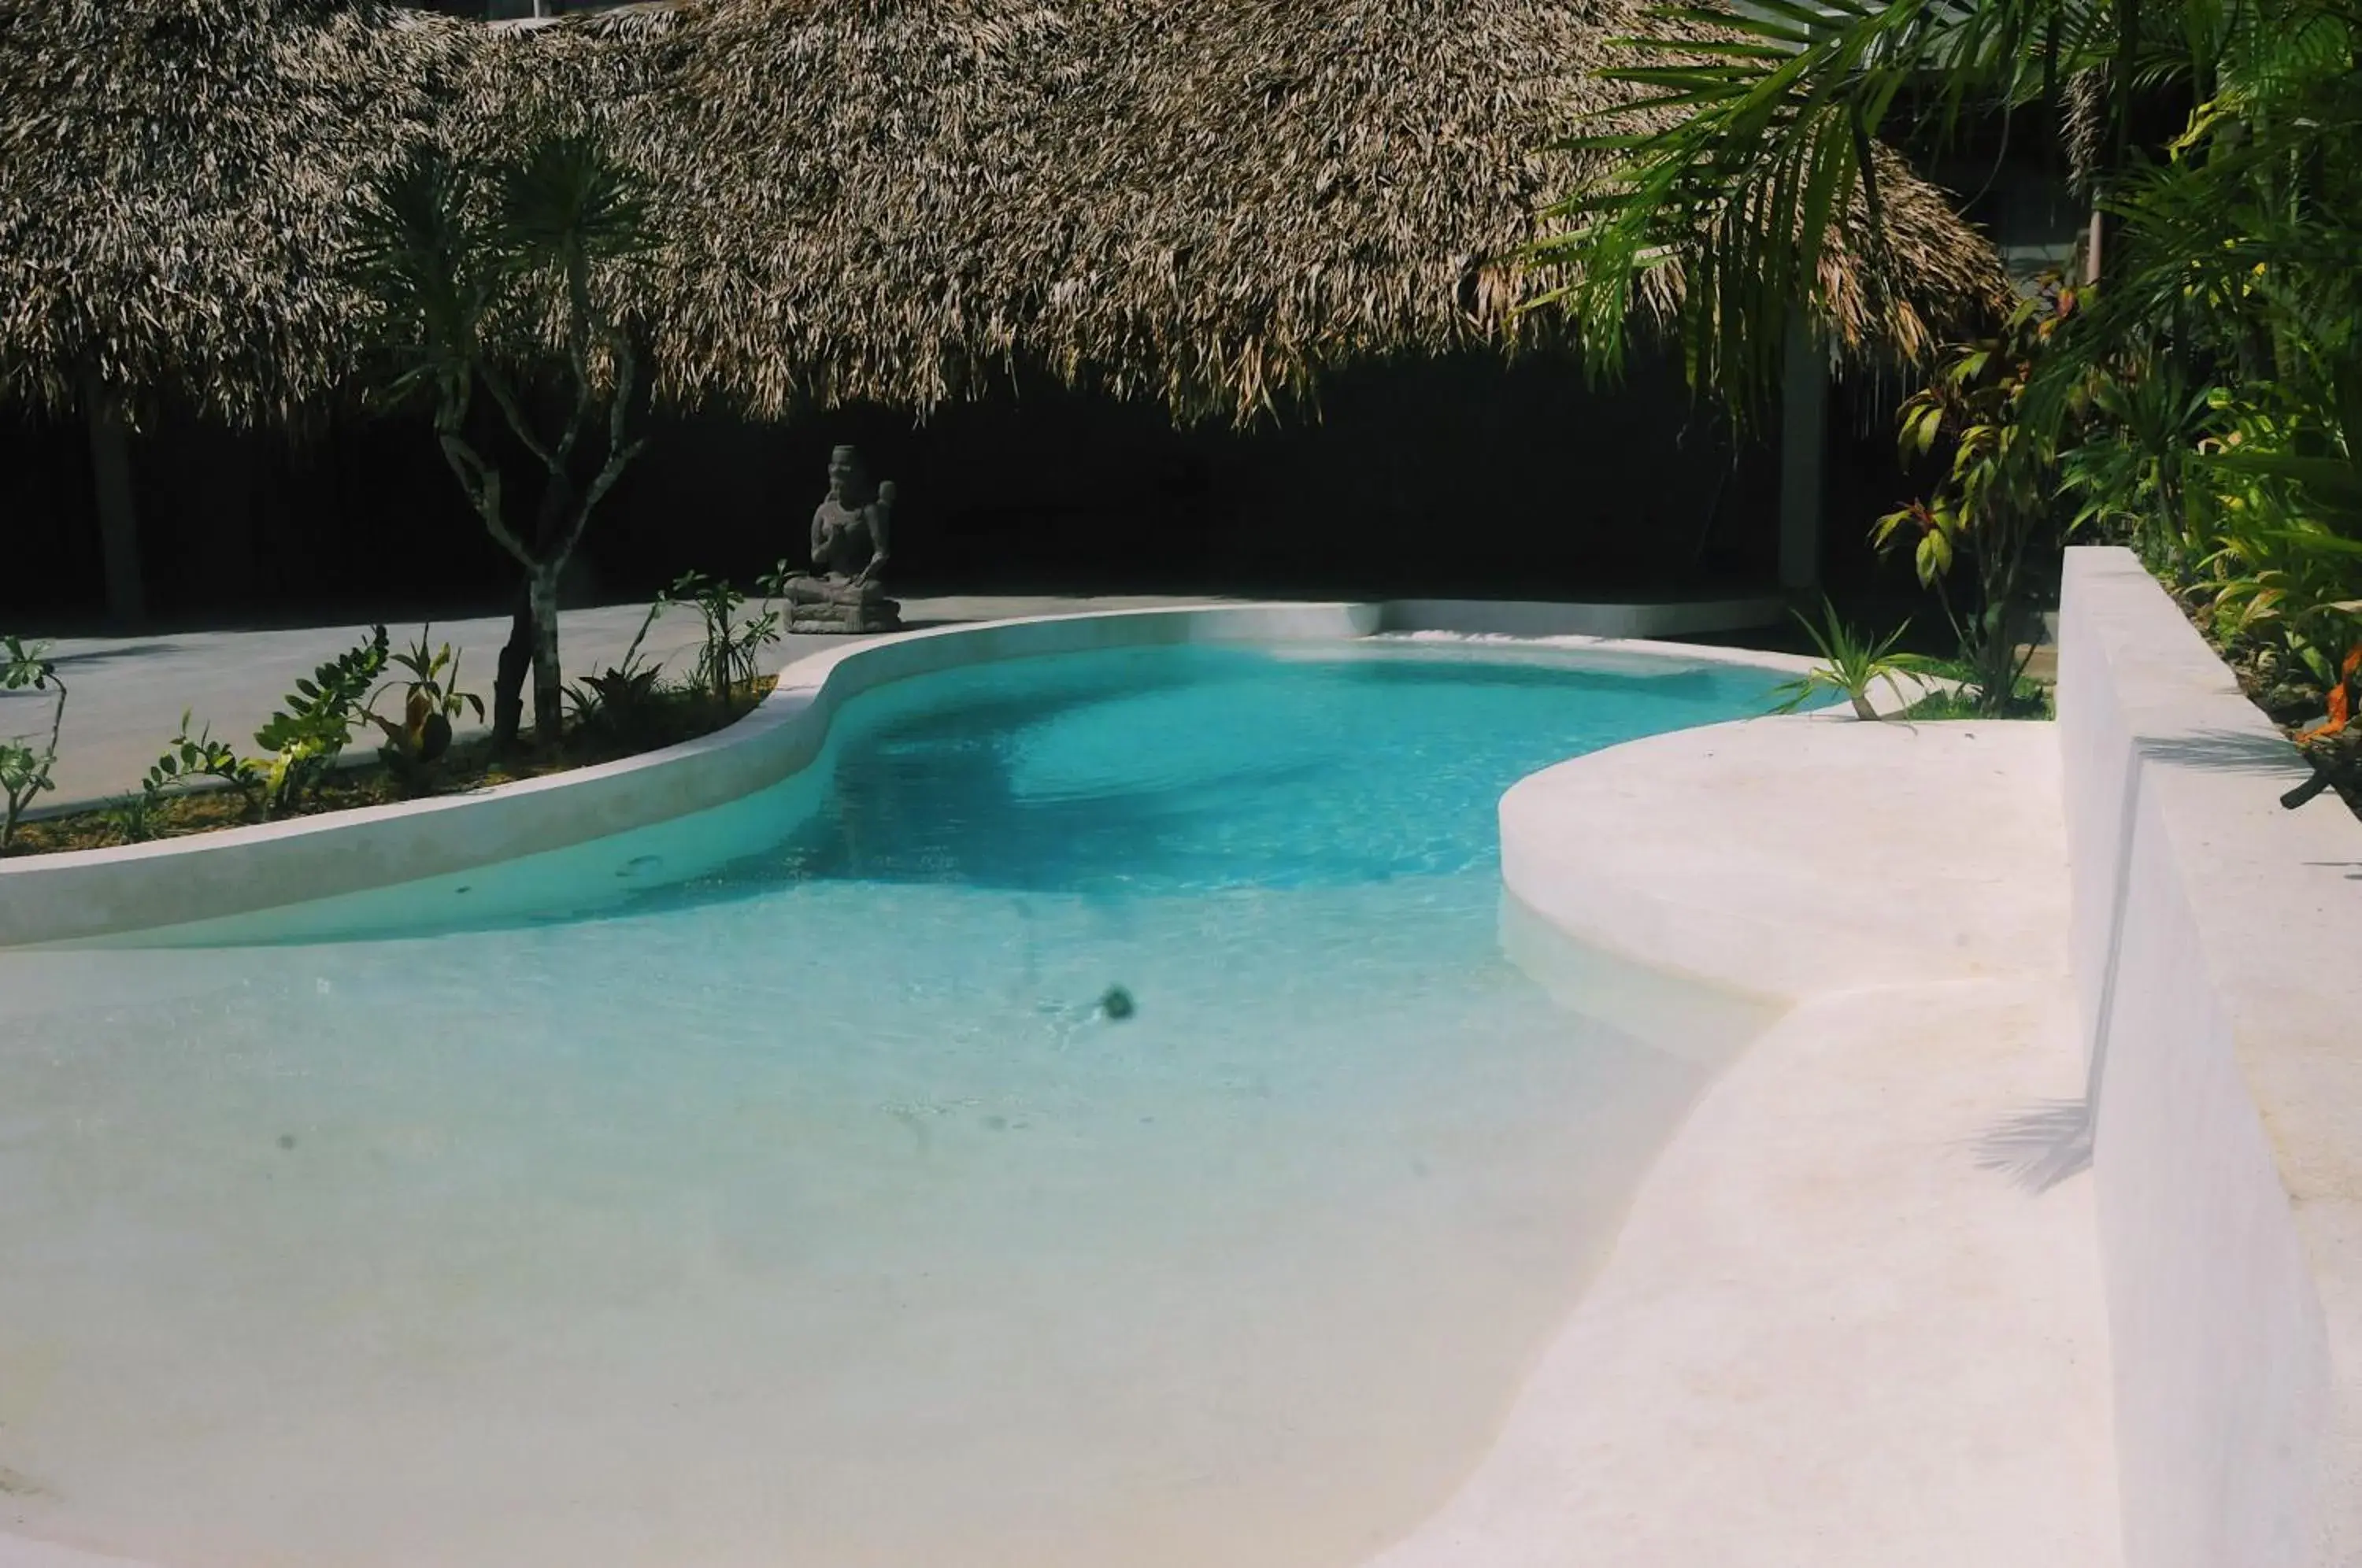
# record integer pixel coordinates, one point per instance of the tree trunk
(548, 690)
(118, 519)
(508, 680)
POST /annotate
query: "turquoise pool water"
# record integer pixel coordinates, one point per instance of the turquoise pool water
(771, 1187)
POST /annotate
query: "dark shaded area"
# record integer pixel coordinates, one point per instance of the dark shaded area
(1458, 477)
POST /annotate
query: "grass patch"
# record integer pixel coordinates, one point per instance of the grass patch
(2032, 700)
(655, 720)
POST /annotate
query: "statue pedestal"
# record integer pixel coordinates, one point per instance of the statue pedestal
(870, 614)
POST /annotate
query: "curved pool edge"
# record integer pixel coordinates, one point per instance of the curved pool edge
(91, 894)
(1845, 1320)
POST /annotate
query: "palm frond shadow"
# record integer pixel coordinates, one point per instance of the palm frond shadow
(2226, 751)
(2040, 1146)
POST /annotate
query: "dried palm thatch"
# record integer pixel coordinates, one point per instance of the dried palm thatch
(1201, 201)
(166, 175)
(177, 178)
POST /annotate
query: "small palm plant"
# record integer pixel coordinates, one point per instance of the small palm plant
(1854, 664)
(452, 256)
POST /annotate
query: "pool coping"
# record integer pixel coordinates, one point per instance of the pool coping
(84, 895)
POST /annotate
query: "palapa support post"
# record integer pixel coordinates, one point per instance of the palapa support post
(118, 516)
(1803, 443)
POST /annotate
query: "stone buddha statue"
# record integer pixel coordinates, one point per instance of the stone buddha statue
(845, 589)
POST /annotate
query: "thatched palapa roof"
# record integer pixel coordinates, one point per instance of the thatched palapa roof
(176, 176)
(1201, 201)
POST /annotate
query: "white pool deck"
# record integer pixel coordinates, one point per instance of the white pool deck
(1838, 1327)
(1855, 1314)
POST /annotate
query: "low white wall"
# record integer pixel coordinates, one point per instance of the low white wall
(2214, 940)
(1520, 618)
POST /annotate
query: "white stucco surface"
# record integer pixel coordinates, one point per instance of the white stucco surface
(1854, 1316)
(2213, 941)
(15, 1552)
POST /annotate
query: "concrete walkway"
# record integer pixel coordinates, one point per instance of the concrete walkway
(1855, 1316)
(127, 694)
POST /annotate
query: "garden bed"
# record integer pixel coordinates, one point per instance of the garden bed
(2031, 701)
(665, 718)
(2299, 707)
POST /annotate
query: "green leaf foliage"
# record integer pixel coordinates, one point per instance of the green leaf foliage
(316, 724)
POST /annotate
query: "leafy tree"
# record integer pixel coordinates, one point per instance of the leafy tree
(461, 259)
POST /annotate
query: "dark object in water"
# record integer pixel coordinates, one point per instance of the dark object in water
(1116, 1003)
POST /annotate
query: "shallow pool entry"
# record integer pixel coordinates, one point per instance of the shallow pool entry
(1092, 1118)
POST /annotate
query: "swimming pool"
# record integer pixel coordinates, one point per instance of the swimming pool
(775, 1186)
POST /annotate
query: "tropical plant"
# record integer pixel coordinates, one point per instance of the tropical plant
(1994, 503)
(316, 724)
(419, 732)
(189, 759)
(1852, 664)
(26, 770)
(459, 259)
(2132, 473)
(732, 653)
(2235, 310)
(619, 704)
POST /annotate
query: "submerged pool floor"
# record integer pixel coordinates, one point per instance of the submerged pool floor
(807, 1208)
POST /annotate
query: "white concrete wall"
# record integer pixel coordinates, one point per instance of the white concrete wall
(1526, 618)
(2214, 938)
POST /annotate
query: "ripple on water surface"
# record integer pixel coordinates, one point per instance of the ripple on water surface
(773, 1187)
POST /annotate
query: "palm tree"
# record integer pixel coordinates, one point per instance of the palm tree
(1758, 138)
(462, 265)
(2220, 142)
